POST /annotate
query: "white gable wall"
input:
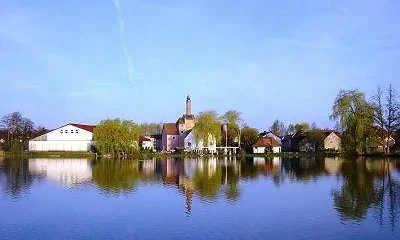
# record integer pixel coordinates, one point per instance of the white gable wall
(66, 138)
(262, 150)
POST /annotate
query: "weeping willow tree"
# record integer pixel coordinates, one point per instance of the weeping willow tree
(356, 117)
(207, 123)
(116, 137)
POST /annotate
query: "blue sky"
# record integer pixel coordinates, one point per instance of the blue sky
(83, 61)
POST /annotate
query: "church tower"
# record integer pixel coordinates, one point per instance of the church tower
(188, 106)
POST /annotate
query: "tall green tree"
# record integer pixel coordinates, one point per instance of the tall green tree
(233, 120)
(249, 137)
(355, 116)
(207, 122)
(117, 137)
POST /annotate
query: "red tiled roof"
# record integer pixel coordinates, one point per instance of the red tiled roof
(170, 129)
(266, 142)
(88, 128)
(143, 139)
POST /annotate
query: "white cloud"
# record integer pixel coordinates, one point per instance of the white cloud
(122, 38)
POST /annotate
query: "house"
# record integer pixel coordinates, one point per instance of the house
(174, 134)
(157, 141)
(383, 142)
(293, 142)
(70, 137)
(152, 142)
(145, 142)
(332, 141)
(191, 145)
(266, 144)
(271, 134)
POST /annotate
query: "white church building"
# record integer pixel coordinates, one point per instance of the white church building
(69, 138)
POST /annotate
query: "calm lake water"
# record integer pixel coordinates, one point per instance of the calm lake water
(253, 198)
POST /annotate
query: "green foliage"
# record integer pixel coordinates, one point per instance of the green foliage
(207, 122)
(278, 128)
(249, 137)
(356, 117)
(233, 120)
(116, 137)
(302, 127)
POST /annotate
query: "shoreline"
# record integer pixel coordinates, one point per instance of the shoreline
(28, 154)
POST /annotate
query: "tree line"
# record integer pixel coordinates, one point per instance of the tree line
(367, 123)
(16, 130)
(363, 124)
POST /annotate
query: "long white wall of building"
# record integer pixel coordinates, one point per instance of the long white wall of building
(66, 138)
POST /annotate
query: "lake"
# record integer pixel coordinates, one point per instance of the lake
(254, 198)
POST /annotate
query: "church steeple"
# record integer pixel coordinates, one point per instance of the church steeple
(188, 106)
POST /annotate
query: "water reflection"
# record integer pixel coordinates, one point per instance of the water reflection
(15, 179)
(369, 185)
(65, 171)
(363, 186)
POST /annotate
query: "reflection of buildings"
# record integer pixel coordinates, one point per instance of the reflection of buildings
(333, 165)
(66, 171)
(268, 166)
(259, 161)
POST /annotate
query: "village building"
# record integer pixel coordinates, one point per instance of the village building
(174, 134)
(267, 144)
(152, 142)
(271, 134)
(191, 145)
(312, 141)
(145, 142)
(332, 142)
(70, 138)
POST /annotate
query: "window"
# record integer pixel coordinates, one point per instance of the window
(181, 131)
(66, 131)
(61, 131)
(76, 131)
(72, 131)
(173, 138)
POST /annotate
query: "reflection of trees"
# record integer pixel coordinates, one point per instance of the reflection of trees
(116, 176)
(15, 178)
(368, 185)
(211, 177)
(206, 181)
(358, 192)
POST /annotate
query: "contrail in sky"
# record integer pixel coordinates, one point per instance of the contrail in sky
(124, 49)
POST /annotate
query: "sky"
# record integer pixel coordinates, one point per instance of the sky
(84, 61)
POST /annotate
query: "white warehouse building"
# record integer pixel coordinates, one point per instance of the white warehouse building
(69, 138)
